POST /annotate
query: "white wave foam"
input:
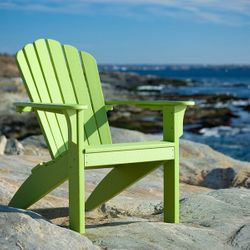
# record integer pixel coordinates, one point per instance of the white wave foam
(219, 131)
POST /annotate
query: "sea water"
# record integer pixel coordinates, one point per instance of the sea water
(233, 140)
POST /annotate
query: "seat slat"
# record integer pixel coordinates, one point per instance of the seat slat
(104, 159)
(128, 146)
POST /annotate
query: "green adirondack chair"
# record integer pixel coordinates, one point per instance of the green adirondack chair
(65, 92)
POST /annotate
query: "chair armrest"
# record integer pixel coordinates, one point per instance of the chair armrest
(49, 107)
(152, 104)
(173, 115)
(108, 107)
(74, 114)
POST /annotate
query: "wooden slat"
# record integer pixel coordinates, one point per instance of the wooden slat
(96, 96)
(33, 94)
(44, 94)
(61, 74)
(51, 85)
(61, 71)
(128, 156)
(151, 104)
(82, 94)
(44, 178)
(128, 146)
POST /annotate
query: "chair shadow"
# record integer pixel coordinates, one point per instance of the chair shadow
(59, 212)
(52, 213)
(7, 209)
(111, 224)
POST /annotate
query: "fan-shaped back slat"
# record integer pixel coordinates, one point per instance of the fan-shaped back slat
(34, 96)
(82, 93)
(52, 92)
(60, 74)
(96, 96)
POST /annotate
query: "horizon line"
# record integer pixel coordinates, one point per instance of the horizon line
(204, 64)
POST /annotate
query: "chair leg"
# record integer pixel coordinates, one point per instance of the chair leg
(171, 191)
(76, 195)
(44, 178)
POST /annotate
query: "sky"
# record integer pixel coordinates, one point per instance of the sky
(134, 31)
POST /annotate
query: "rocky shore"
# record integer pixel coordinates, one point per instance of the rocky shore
(126, 116)
(215, 189)
(210, 110)
(214, 205)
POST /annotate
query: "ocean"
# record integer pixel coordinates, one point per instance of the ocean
(233, 140)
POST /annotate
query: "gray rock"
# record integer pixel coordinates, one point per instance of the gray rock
(20, 229)
(14, 147)
(35, 140)
(125, 135)
(215, 220)
(224, 210)
(153, 235)
(242, 179)
(35, 145)
(203, 166)
(3, 142)
(241, 238)
(133, 219)
(200, 164)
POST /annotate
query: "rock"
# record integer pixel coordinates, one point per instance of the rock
(35, 145)
(242, 178)
(19, 126)
(213, 220)
(14, 147)
(133, 219)
(3, 142)
(130, 81)
(151, 235)
(8, 67)
(125, 135)
(241, 239)
(20, 229)
(247, 108)
(150, 121)
(200, 164)
(224, 210)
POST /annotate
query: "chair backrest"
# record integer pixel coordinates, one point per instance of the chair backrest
(55, 73)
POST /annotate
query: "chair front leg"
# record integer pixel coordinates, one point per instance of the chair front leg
(76, 171)
(171, 189)
(172, 130)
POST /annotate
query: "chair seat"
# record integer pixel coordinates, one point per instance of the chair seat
(106, 155)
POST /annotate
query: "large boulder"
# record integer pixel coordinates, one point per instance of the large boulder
(20, 229)
(213, 220)
(133, 219)
(200, 164)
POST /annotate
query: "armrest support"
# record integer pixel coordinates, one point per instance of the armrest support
(173, 117)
